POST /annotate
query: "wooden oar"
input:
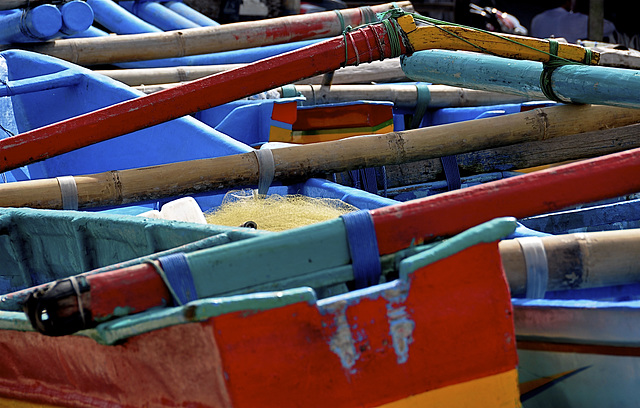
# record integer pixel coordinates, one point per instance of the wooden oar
(194, 41)
(577, 261)
(370, 43)
(302, 162)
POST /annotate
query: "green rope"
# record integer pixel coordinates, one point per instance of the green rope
(393, 31)
(397, 12)
(341, 18)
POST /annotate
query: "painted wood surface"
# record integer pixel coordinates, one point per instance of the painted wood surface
(369, 348)
(571, 83)
(135, 114)
(178, 43)
(302, 162)
(453, 37)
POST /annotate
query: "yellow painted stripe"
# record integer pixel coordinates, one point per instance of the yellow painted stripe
(10, 403)
(495, 391)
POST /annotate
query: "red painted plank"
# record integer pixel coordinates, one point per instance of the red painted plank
(530, 194)
(146, 111)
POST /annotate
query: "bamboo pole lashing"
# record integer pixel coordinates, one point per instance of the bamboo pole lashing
(578, 261)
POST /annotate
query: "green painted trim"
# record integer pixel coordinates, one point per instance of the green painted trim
(489, 231)
(197, 311)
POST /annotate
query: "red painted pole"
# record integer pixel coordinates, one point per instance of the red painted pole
(363, 45)
(521, 196)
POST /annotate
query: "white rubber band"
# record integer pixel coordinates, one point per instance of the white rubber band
(266, 169)
(535, 259)
(69, 192)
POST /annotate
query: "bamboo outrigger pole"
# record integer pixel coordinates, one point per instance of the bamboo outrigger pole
(369, 43)
(304, 161)
(204, 40)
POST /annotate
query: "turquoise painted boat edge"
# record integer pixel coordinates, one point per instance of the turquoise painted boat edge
(197, 311)
(60, 243)
(490, 231)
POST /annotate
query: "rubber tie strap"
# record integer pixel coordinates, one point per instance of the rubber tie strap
(266, 169)
(363, 248)
(177, 276)
(423, 97)
(69, 192)
(451, 172)
(535, 259)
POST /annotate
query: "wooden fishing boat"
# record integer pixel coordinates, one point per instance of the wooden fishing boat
(578, 347)
(347, 339)
(348, 342)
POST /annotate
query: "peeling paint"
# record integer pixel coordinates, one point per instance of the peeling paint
(342, 342)
(400, 325)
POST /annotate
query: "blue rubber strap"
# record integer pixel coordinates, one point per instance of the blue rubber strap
(178, 276)
(451, 172)
(365, 179)
(363, 248)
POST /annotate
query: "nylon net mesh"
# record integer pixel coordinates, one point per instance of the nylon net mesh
(275, 212)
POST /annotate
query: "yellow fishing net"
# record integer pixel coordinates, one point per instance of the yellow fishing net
(275, 212)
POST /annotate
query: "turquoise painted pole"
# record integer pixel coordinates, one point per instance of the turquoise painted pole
(570, 83)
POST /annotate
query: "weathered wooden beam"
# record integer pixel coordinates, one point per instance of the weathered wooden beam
(520, 156)
(194, 41)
